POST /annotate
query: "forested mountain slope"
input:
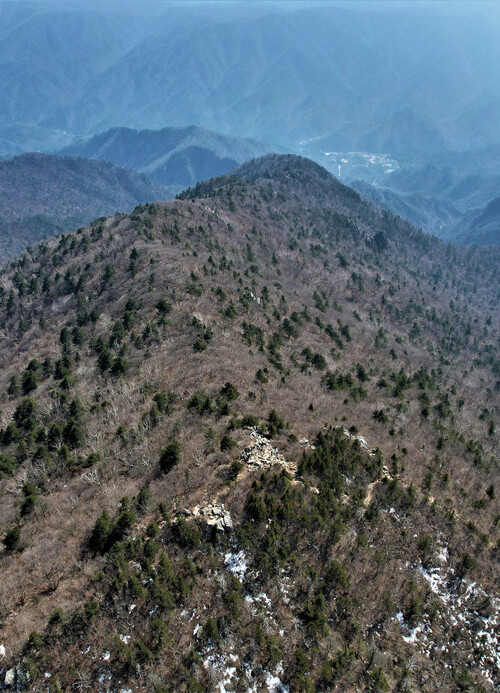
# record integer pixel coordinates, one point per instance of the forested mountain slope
(42, 195)
(249, 442)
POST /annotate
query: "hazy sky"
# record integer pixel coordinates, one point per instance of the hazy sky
(491, 7)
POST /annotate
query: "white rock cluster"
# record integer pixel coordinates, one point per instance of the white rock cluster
(261, 454)
(214, 515)
(16, 679)
(360, 439)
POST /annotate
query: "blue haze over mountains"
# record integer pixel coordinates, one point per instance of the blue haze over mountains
(401, 101)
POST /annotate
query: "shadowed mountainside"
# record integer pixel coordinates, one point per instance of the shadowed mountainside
(483, 227)
(42, 194)
(172, 156)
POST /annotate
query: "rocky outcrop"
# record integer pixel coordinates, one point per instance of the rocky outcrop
(360, 440)
(261, 454)
(214, 516)
(10, 678)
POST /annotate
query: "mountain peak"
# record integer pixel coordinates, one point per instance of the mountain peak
(299, 180)
(288, 166)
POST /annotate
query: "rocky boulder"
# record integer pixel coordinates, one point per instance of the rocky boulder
(214, 516)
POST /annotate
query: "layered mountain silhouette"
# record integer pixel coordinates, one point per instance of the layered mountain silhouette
(173, 156)
(269, 74)
(417, 87)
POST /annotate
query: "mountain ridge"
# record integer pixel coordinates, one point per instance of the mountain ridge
(172, 156)
(272, 355)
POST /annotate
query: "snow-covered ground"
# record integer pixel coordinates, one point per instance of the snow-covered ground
(236, 563)
(223, 672)
(459, 601)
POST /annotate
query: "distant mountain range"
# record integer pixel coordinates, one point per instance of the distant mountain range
(377, 81)
(424, 211)
(435, 215)
(173, 156)
(455, 201)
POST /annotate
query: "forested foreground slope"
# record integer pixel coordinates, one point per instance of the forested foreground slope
(248, 442)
